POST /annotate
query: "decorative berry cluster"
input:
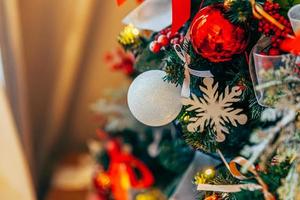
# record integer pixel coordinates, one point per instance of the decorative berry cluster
(269, 29)
(165, 38)
(118, 59)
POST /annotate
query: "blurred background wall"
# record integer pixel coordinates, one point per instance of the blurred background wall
(53, 62)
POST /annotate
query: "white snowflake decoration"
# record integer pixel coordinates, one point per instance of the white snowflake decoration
(213, 110)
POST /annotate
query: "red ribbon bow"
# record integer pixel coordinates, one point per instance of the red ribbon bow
(120, 2)
(122, 170)
(181, 10)
(292, 44)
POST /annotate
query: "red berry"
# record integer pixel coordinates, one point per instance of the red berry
(128, 69)
(181, 39)
(267, 30)
(287, 23)
(154, 47)
(273, 39)
(163, 40)
(274, 52)
(278, 33)
(276, 6)
(163, 32)
(266, 26)
(175, 35)
(283, 33)
(169, 35)
(278, 40)
(273, 27)
(262, 53)
(274, 45)
(175, 41)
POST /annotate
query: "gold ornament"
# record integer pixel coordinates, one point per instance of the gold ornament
(228, 3)
(199, 179)
(209, 173)
(214, 110)
(185, 118)
(203, 177)
(129, 36)
(153, 194)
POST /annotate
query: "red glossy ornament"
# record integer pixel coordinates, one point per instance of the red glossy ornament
(214, 37)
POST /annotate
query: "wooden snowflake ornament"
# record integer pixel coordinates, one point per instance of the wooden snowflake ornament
(214, 110)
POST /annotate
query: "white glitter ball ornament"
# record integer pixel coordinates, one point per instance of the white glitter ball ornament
(152, 100)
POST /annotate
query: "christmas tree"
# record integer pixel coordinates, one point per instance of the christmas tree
(155, 158)
(225, 74)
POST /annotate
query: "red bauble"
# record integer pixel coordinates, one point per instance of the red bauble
(214, 37)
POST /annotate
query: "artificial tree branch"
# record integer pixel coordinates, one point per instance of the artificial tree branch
(271, 133)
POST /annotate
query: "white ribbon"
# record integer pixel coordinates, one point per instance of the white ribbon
(185, 57)
(153, 15)
(228, 188)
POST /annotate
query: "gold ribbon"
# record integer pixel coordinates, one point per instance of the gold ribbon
(260, 13)
(236, 173)
(232, 167)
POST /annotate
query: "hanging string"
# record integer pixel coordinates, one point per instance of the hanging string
(186, 59)
(201, 4)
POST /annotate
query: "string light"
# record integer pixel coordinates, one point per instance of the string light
(103, 180)
(209, 173)
(203, 177)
